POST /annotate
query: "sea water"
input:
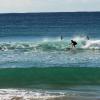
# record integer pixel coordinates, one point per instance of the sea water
(35, 64)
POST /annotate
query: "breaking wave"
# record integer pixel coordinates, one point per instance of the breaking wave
(51, 44)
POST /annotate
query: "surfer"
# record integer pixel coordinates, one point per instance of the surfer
(87, 37)
(73, 43)
(61, 37)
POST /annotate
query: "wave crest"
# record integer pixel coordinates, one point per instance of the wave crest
(50, 45)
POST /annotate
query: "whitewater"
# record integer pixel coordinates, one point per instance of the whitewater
(71, 94)
(50, 52)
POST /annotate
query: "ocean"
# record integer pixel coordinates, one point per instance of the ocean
(37, 61)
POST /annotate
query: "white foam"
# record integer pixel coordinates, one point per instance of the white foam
(53, 43)
(79, 38)
(92, 44)
(14, 94)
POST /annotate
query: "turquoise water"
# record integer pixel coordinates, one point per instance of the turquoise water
(36, 64)
(50, 83)
(49, 52)
(48, 78)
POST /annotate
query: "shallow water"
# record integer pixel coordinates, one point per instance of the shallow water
(75, 93)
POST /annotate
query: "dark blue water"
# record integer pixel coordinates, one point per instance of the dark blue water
(50, 24)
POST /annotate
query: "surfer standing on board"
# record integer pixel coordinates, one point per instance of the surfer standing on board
(73, 43)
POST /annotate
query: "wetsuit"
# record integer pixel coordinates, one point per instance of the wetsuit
(74, 43)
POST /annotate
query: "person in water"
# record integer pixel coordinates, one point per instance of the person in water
(61, 37)
(87, 37)
(73, 43)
